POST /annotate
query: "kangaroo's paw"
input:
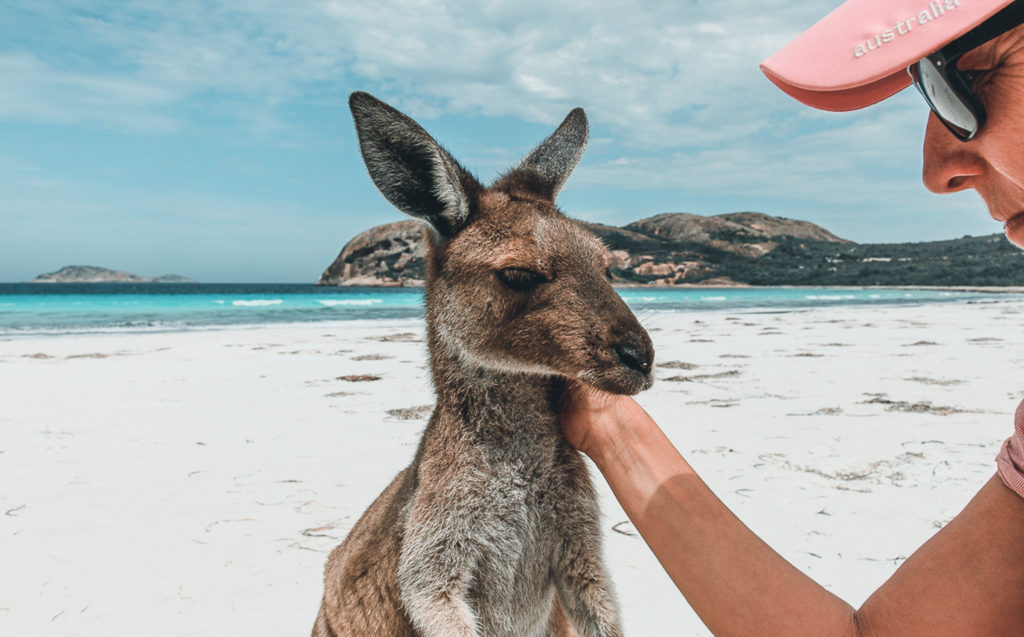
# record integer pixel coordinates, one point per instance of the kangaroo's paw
(586, 593)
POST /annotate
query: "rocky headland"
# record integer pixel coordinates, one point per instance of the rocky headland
(742, 248)
(388, 255)
(94, 274)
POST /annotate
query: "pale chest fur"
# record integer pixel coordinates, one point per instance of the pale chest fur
(517, 491)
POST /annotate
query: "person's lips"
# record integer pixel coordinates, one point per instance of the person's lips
(1013, 227)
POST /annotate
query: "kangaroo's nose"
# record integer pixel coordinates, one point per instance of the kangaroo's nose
(635, 356)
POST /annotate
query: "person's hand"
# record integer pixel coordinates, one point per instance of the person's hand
(587, 412)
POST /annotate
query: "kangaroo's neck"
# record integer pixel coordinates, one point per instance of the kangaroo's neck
(490, 400)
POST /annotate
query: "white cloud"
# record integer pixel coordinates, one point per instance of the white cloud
(31, 90)
(672, 88)
(635, 63)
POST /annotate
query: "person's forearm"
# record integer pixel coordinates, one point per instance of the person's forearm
(734, 581)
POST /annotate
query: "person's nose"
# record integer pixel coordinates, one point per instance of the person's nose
(950, 165)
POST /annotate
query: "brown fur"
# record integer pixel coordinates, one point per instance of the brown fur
(494, 527)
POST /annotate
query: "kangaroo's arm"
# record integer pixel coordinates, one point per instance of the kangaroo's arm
(584, 587)
(585, 591)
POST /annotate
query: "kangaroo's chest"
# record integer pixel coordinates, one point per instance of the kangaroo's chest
(517, 495)
(525, 519)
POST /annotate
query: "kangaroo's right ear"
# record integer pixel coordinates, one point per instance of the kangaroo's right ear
(556, 157)
(411, 169)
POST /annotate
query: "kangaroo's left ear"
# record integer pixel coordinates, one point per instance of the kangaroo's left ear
(556, 157)
(411, 169)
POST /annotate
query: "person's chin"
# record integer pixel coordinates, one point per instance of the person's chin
(1014, 229)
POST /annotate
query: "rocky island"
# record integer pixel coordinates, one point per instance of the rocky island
(93, 274)
(741, 248)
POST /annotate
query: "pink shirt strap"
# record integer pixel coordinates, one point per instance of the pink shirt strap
(1010, 460)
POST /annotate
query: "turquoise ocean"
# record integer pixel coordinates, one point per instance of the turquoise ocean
(28, 309)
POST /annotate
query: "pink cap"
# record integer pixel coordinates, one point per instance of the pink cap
(858, 54)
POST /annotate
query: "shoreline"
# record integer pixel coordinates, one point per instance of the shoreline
(80, 313)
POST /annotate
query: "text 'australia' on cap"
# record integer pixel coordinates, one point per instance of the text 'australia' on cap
(858, 54)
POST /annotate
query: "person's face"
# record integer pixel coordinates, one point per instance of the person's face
(993, 162)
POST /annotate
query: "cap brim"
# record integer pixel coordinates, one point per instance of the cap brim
(858, 54)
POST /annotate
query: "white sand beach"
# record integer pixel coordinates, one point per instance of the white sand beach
(192, 483)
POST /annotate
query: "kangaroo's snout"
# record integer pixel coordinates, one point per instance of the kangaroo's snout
(625, 364)
(636, 356)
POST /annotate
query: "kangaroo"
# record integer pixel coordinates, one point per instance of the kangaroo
(493, 530)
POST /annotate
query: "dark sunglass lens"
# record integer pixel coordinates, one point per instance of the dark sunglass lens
(950, 107)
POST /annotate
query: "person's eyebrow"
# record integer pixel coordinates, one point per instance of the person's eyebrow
(984, 56)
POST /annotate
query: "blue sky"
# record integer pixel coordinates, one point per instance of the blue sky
(212, 139)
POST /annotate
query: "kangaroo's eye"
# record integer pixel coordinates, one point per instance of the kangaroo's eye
(521, 280)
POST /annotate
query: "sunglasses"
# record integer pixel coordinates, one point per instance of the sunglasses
(950, 91)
